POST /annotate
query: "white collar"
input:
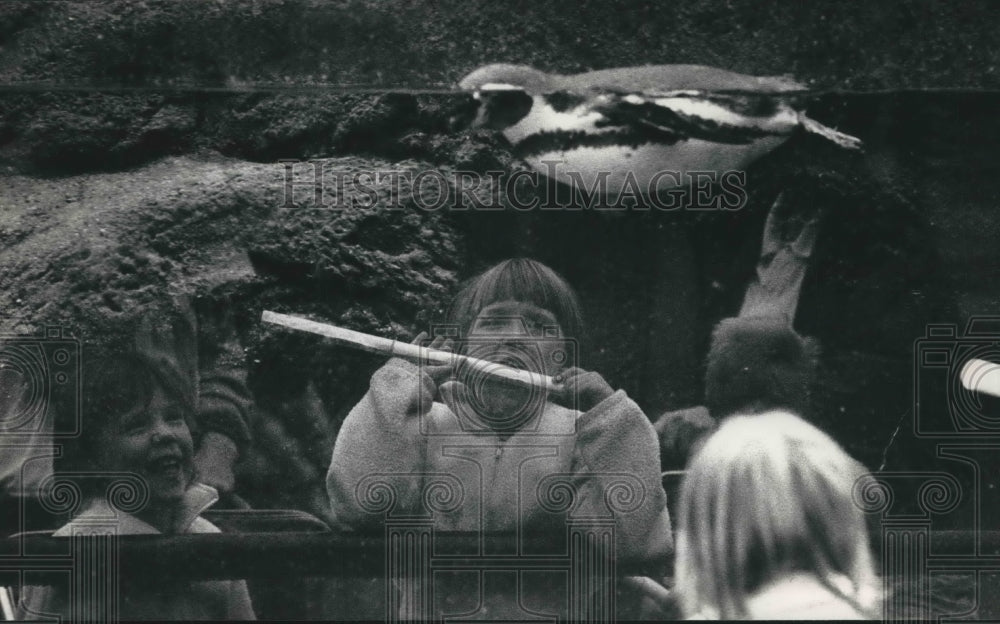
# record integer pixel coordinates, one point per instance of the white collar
(100, 514)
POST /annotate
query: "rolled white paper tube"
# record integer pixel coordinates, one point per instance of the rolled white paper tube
(405, 350)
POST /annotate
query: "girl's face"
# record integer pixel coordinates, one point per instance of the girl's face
(154, 442)
(519, 335)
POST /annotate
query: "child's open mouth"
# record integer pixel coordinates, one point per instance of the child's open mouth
(169, 466)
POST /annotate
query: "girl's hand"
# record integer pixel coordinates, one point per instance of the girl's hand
(679, 432)
(438, 374)
(582, 389)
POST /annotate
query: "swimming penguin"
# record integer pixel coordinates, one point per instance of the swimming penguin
(655, 124)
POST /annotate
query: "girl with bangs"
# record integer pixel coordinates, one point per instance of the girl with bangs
(501, 445)
(768, 528)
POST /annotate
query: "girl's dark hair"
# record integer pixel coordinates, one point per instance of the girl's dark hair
(518, 279)
(113, 385)
(757, 364)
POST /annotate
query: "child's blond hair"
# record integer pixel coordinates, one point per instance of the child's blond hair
(768, 495)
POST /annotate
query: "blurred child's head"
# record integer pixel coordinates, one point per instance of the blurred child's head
(136, 414)
(767, 495)
(521, 314)
(756, 364)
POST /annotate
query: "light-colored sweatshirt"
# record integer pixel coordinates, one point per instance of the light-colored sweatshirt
(401, 452)
(802, 596)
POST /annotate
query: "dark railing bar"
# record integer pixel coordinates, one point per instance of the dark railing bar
(966, 563)
(280, 555)
(336, 554)
(555, 562)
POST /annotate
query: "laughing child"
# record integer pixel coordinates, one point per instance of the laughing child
(136, 418)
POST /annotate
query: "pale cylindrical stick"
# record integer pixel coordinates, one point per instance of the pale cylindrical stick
(405, 350)
(981, 376)
(650, 588)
